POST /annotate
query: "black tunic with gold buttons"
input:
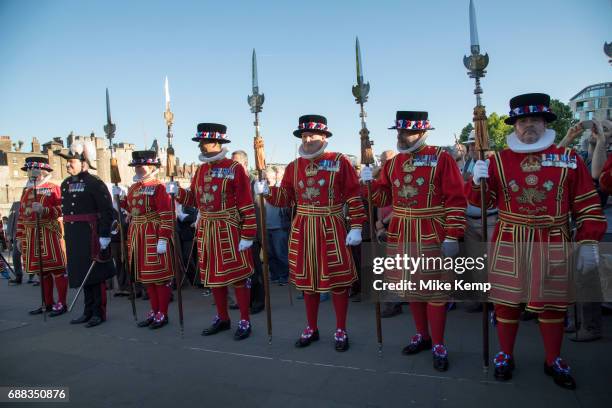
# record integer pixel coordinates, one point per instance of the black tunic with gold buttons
(88, 214)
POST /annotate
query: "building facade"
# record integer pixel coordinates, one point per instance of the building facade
(593, 102)
(13, 154)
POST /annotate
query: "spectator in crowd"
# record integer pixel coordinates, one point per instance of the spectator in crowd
(185, 225)
(278, 221)
(11, 230)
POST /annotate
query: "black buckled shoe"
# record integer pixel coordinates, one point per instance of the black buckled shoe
(40, 310)
(341, 339)
(440, 357)
(504, 366)
(16, 281)
(58, 309)
(560, 373)
(243, 331)
(147, 322)
(84, 318)
(94, 321)
(416, 345)
(160, 321)
(307, 337)
(217, 326)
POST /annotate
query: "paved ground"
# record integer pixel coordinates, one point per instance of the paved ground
(117, 364)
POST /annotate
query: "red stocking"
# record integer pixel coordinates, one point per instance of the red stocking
(340, 299)
(61, 283)
(507, 326)
(419, 314)
(551, 328)
(220, 295)
(243, 297)
(153, 299)
(436, 315)
(311, 301)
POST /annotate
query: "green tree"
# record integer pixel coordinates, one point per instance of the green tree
(498, 130)
(565, 118)
(465, 132)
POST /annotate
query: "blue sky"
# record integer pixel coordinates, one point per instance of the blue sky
(57, 58)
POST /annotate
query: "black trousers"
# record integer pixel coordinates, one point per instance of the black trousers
(17, 263)
(257, 287)
(93, 300)
(191, 269)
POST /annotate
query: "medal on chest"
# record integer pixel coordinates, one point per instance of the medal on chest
(76, 187)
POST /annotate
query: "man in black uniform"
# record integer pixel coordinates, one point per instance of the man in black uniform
(88, 214)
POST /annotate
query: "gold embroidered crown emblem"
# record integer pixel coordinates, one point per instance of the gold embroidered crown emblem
(531, 163)
(312, 169)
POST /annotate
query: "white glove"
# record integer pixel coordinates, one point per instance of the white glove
(261, 187)
(162, 246)
(244, 244)
(450, 248)
(588, 258)
(353, 238)
(172, 187)
(481, 170)
(37, 207)
(117, 191)
(104, 242)
(18, 244)
(366, 174)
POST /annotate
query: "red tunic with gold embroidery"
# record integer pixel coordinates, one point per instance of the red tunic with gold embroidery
(425, 189)
(51, 234)
(536, 194)
(319, 259)
(151, 219)
(221, 190)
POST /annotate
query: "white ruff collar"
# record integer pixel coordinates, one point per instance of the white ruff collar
(147, 177)
(545, 141)
(218, 156)
(30, 182)
(305, 155)
(415, 146)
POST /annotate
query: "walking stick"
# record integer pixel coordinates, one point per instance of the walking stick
(7, 265)
(93, 263)
(109, 129)
(256, 102)
(186, 266)
(360, 92)
(179, 272)
(476, 64)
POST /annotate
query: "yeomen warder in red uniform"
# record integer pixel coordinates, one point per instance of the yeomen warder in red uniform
(150, 235)
(425, 188)
(320, 184)
(537, 187)
(221, 191)
(46, 201)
